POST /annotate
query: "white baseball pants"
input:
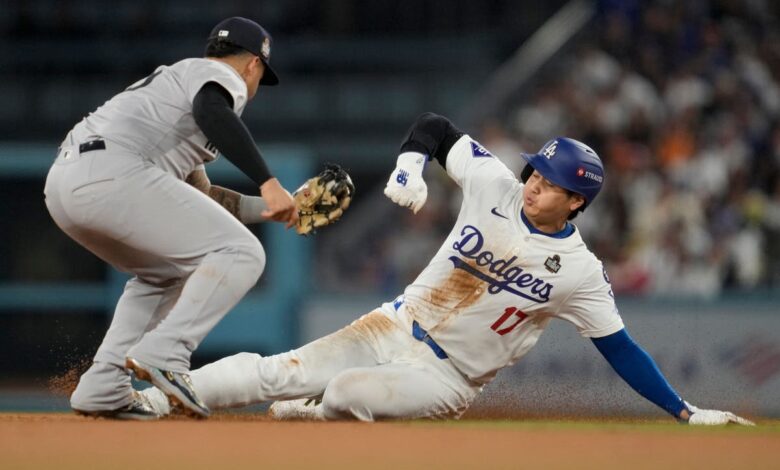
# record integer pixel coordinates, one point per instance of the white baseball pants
(372, 369)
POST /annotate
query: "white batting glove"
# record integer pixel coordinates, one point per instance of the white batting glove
(406, 186)
(701, 417)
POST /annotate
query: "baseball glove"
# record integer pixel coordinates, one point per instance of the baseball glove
(321, 200)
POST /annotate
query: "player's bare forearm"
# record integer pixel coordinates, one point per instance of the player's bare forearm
(226, 198)
(200, 181)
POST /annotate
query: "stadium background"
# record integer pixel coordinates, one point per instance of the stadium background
(680, 99)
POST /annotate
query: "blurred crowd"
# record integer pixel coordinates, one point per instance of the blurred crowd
(681, 100)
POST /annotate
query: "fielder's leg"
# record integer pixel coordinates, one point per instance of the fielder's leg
(106, 385)
(167, 231)
(224, 260)
(186, 235)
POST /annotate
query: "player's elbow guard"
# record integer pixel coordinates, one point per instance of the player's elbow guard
(432, 135)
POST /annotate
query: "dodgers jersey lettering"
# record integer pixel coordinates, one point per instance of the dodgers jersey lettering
(493, 286)
(153, 117)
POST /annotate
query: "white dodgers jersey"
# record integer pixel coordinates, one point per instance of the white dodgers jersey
(153, 117)
(493, 286)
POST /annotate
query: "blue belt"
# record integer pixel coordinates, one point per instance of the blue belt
(420, 334)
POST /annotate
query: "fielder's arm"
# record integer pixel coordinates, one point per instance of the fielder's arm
(213, 111)
(247, 209)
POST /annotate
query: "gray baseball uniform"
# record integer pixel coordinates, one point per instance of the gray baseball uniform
(117, 188)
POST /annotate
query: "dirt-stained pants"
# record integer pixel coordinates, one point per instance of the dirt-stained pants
(372, 369)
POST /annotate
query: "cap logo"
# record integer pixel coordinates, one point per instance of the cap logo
(549, 152)
(223, 33)
(266, 48)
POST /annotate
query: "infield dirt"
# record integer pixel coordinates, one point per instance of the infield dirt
(65, 441)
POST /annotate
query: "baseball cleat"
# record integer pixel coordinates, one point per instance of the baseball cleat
(138, 410)
(306, 409)
(175, 385)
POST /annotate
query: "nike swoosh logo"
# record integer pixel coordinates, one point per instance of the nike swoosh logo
(495, 212)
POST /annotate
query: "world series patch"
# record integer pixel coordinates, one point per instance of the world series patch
(553, 264)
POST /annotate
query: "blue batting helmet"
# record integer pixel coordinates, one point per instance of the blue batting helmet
(569, 164)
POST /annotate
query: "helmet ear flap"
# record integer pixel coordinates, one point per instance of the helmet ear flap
(528, 170)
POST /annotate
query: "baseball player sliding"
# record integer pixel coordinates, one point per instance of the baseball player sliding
(512, 263)
(119, 188)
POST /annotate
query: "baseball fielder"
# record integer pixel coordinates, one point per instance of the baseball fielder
(119, 188)
(512, 263)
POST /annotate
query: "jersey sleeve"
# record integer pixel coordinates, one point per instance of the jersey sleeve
(473, 167)
(205, 71)
(591, 307)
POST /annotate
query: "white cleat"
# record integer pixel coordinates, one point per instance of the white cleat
(303, 409)
(157, 400)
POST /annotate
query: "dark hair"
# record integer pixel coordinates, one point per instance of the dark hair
(221, 48)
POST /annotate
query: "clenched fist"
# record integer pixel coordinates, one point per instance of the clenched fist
(406, 186)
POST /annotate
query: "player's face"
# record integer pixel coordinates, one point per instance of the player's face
(547, 205)
(254, 73)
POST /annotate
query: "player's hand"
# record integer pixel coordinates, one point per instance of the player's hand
(700, 417)
(281, 206)
(406, 186)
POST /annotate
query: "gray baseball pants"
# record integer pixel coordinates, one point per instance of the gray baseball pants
(192, 261)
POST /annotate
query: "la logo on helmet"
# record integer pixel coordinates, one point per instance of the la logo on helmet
(550, 150)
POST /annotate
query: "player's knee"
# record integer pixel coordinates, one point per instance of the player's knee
(347, 396)
(254, 254)
(337, 401)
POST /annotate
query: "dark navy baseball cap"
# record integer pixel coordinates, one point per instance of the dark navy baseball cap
(248, 35)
